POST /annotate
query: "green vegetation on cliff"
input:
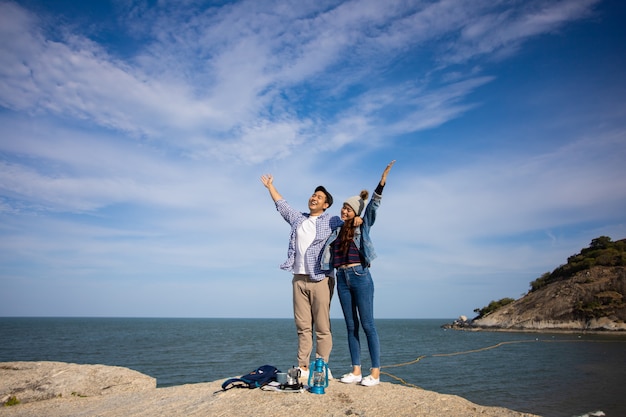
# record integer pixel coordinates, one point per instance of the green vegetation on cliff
(601, 252)
(493, 306)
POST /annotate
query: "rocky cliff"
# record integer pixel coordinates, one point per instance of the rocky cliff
(590, 300)
(586, 294)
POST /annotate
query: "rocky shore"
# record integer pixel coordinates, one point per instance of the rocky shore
(57, 389)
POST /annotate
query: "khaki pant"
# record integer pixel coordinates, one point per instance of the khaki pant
(311, 312)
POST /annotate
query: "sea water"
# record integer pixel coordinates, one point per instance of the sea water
(553, 375)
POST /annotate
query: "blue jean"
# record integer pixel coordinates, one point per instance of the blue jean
(355, 289)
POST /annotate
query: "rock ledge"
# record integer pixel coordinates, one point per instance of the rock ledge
(55, 389)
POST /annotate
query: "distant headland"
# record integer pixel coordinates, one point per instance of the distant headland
(587, 294)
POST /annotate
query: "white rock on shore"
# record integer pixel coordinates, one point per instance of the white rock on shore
(55, 389)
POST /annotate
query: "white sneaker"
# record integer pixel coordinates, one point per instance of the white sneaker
(370, 381)
(351, 378)
(330, 374)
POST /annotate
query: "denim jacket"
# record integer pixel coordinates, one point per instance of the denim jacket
(361, 237)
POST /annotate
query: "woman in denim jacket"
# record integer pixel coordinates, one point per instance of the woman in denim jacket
(350, 250)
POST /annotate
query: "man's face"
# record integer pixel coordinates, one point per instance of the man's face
(317, 203)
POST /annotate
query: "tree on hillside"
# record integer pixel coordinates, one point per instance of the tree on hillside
(493, 306)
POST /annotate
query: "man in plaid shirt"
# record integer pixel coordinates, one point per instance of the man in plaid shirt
(312, 287)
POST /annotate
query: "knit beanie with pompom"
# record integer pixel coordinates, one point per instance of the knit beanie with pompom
(357, 202)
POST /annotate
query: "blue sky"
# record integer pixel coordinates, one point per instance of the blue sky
(133, 135)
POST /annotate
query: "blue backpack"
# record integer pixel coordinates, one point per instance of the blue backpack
(261, 376)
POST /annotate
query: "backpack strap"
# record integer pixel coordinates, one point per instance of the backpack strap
(234, 382)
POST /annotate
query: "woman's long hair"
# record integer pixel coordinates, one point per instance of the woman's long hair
(346, 234)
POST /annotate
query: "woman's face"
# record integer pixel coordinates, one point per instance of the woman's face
(347, 213)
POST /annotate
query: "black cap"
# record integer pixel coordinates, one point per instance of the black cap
(329, 198)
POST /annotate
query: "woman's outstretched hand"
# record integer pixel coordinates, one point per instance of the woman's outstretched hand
(383, 179)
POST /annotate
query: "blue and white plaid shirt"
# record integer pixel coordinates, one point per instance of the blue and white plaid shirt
(323, 227)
